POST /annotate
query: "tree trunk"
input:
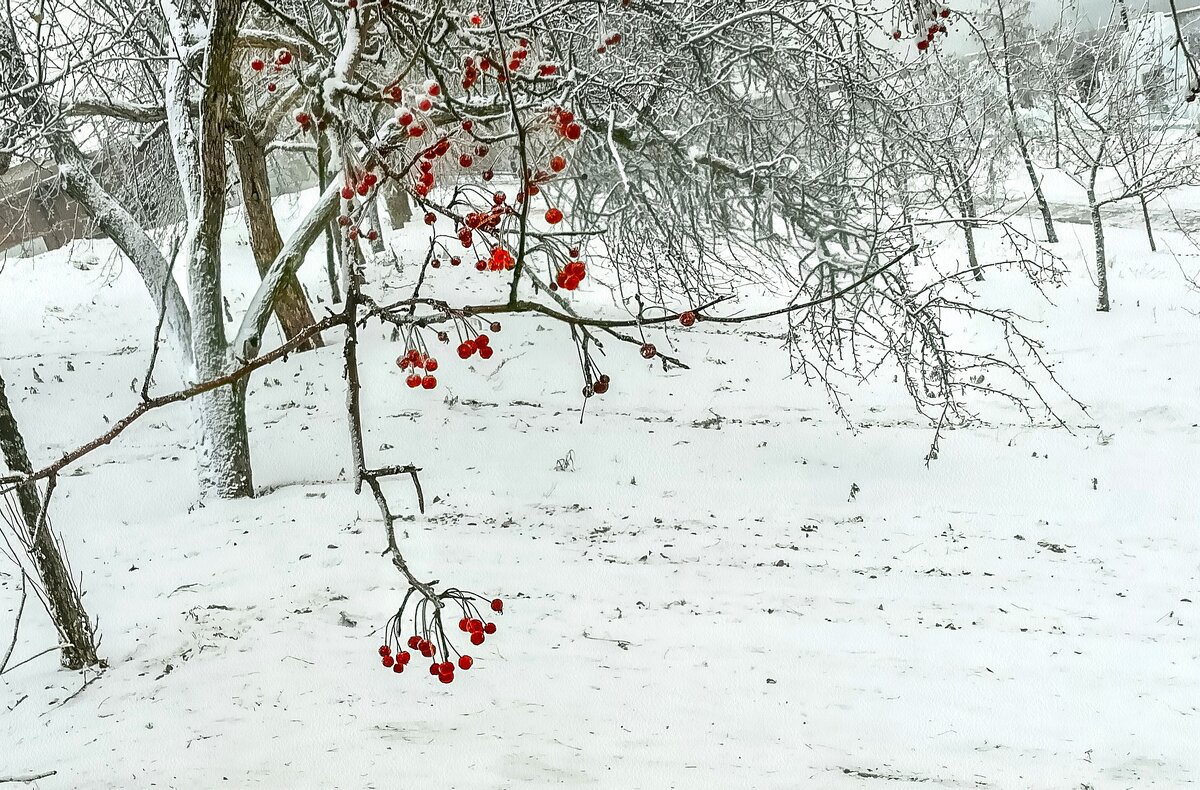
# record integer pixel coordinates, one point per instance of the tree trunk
(224, 457)
(398, 208)
(966, 203)
(377, 245)
(1102, 303)
(330, 255)
(1022, 143)
(291, 307)
(62, 596)
(1149, 225)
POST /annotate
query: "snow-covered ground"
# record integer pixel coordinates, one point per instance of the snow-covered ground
(697, 601)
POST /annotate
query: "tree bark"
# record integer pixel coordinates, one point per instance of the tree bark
(62, 596)
(224, 457)
(291, 306)
(1146, 221)
(966, 204)
(330, 234)
(1102, 303)
(398, 208)
(1022, 143)
(377, 245)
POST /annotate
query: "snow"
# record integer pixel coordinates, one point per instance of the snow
(697, 602)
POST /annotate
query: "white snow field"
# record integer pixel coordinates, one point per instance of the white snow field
(696, 602)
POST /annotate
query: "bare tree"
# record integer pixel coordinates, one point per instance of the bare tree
(1111, 131)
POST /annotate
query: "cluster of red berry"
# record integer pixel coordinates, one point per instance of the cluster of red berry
(569, 277)
(564, 122)
(361, 185)
(927, 33)
(428, 638)
(416, 360)
(283, 57)
(611, 41)
(501, 260)
(481, 344)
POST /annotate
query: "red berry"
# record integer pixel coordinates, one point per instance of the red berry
(398, 667)
(425, 105)
(687, 318)
(433, 89)
(414, 642)
(283, 57)
(431, 365)
(477, 20)
(468, 125)
(433, 669)
(477, 638)
(487, 175)
(448, 678)
(388, 661)
(454, 262)
(923, 44)
(573, 131)
(465, 662)
(554, 216)
(558, 163)
(465, 160)
(384, 650)
(257, 64)
(416, 130)
(600, 387)
(896, 34)
(648, 350)
(464, 624)
(490, 628)
(372, 235)
(486, 352)
(430, 218)
(347, 193)
(497, 605)
(404, 118)
(403, 657)
(945, 13)
(464, 350)
(429, 382)
(413, 381)
(482, 340)
(271, 87)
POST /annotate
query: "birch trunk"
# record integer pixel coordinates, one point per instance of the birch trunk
(1102, 303)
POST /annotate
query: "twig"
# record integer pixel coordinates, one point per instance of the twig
(15, 666)
(144, 407)
(76, 693)
(26, 779)
(17, 623)
(162, 316)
